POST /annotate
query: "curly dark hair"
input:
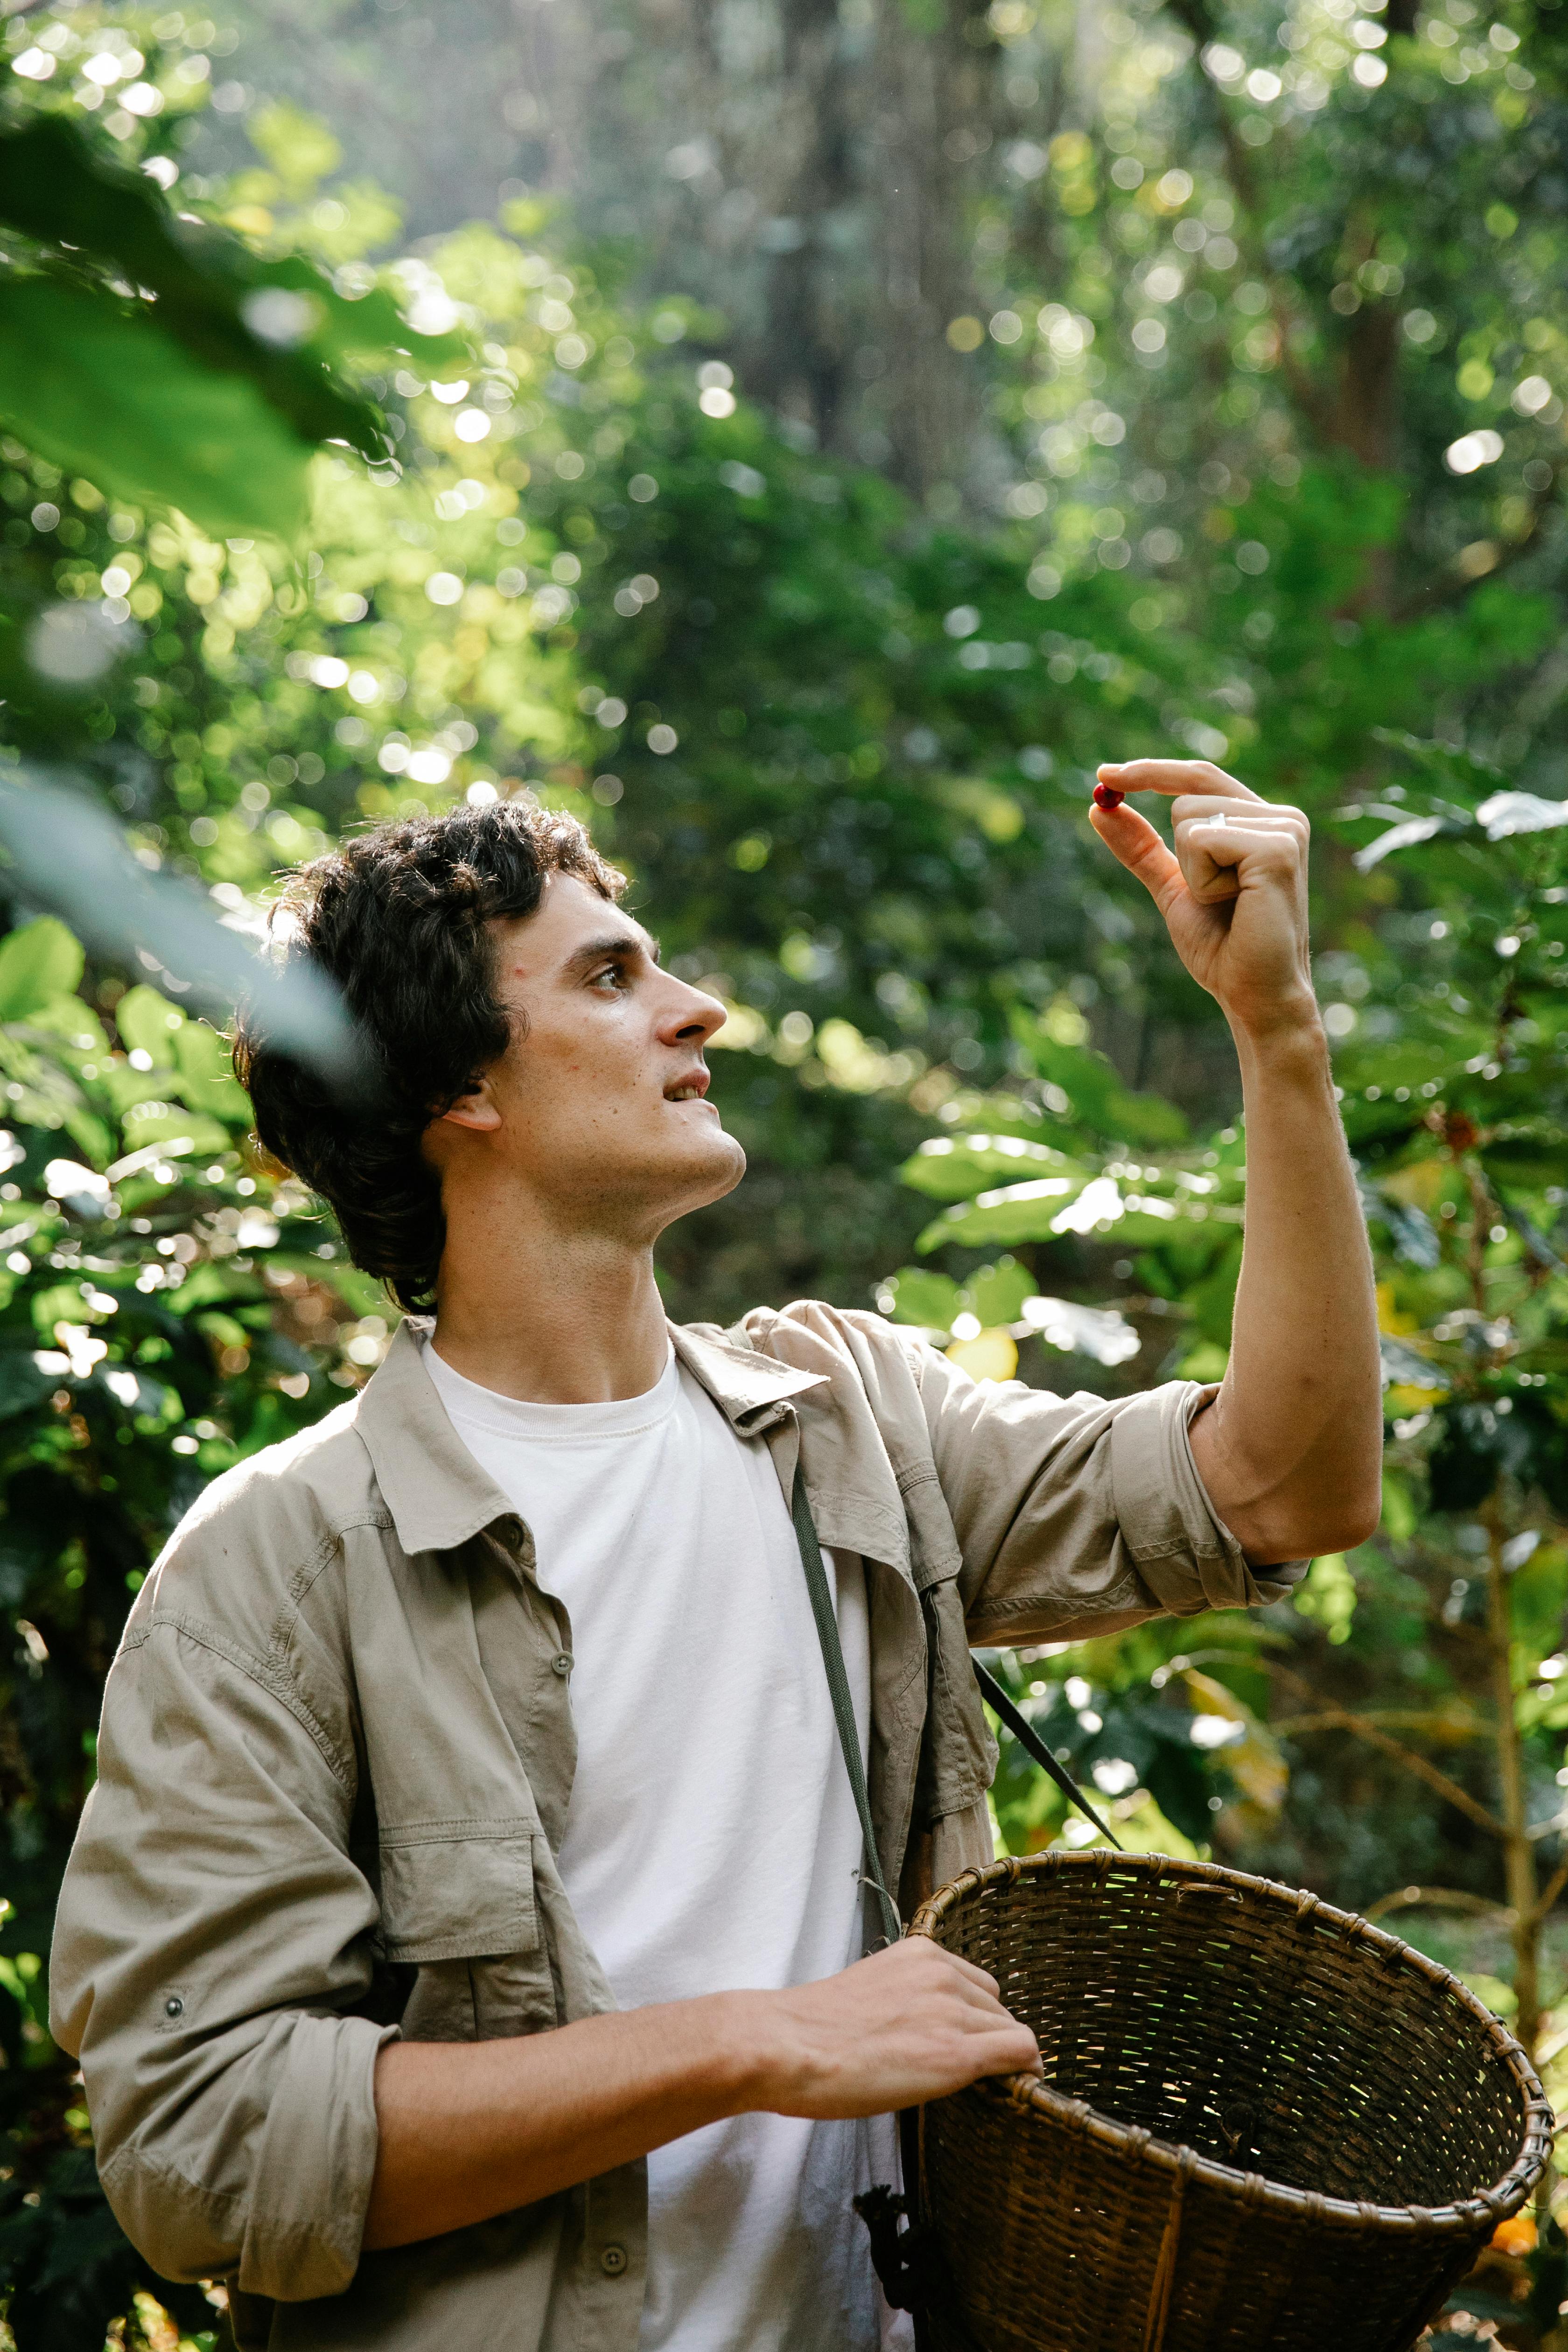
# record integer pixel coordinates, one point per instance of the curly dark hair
(397, 918)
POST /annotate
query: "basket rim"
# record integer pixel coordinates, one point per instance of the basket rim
(1026, 2093)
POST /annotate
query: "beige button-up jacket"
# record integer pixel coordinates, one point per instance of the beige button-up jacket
(337, 1752)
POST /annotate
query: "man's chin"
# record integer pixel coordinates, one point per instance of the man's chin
(710, 1172)
(647, 1195)
(729, 1165)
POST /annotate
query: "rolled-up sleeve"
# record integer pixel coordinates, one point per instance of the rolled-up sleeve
(213, 1939)
(1082, 1514)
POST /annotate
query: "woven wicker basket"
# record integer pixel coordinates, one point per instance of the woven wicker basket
(1264, 2126)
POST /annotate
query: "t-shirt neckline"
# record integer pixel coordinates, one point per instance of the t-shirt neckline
(469, 1401)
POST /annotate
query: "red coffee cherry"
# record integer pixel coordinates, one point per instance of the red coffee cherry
(1106, 797)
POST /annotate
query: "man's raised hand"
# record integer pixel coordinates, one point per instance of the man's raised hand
(1234, 895)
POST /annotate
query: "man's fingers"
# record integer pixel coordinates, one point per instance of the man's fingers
(978, 1991)
(1133, 841)
(975, 1988)
(921, 1950)
(984, 2005)
(1218, 855)
(1257, 816)
(1016, 2053)
(1217, 826)
(1174, 776)
(1266, 847)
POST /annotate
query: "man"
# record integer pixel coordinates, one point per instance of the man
(462, 1943)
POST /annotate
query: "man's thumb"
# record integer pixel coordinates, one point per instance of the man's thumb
(1133, 842)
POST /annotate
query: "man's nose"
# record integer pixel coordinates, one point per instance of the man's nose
(692, 1017)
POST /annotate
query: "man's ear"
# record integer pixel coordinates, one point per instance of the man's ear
(477, 1109)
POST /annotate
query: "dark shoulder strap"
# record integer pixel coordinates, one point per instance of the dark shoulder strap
(826, 1617)
(995, 1697)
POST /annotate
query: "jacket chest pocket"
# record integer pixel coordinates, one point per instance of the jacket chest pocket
(457, 1890)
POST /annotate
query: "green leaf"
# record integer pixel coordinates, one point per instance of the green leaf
(1411, 1231)
(206, 1078)
(1528, 1151)
(1329, 1596)
(956, 1167)
(369, 325)
(300, 147)
(996, 1293)
(1097, 1207)
(1213, 1300)
(92, 1137)
(150, 1025)
(189, 1058)
(919, 1294)
(1100, 1332)
(93, 384)
(22, 1384)
(1404, 835)
(39, 963)
(162, 1122)
(214, 1284)
(362, 1294)
(1399, 1514)
(1510, 813)
(1406, 1368)
(1012, 1214)
(1097, 1098)
(1409, 1062)
(58, 188)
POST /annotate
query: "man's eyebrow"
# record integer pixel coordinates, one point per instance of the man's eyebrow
(614, 943)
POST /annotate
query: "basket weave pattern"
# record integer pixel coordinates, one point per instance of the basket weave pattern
(1264, 2125)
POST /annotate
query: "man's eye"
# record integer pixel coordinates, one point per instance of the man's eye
(613, 977)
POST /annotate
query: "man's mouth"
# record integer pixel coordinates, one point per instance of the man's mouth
(690, 1089)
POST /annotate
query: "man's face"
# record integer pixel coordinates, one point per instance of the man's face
(597, 1106)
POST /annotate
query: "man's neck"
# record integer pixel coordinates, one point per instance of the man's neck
(577, 1322)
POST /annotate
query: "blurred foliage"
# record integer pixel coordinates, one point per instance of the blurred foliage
(165, 358)
(842, 739)
(167, 1306)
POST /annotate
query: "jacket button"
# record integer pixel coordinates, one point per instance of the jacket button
(173, 2005)
(613, 2261)
(510, 1533)
(562, 1665)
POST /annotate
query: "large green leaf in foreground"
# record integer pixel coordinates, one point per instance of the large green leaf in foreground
(97, 388)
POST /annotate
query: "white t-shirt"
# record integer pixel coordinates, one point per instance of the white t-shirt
(711, 1841)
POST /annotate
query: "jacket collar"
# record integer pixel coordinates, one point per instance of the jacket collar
(437, 1493)
(749, 1388)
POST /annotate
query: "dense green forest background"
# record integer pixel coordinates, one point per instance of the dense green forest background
(803, 439)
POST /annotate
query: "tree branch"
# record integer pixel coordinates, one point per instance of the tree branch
(1454, 585)
(1551, 1891)
(1437, 1898)
(1403, 1719)
(1344, 1719)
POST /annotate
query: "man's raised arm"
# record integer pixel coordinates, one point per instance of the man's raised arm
(1291, 1450)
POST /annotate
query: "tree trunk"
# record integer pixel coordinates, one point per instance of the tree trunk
(1519, 1852)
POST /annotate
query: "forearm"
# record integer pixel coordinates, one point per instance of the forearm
(470, 2129)
(1290, 1451)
